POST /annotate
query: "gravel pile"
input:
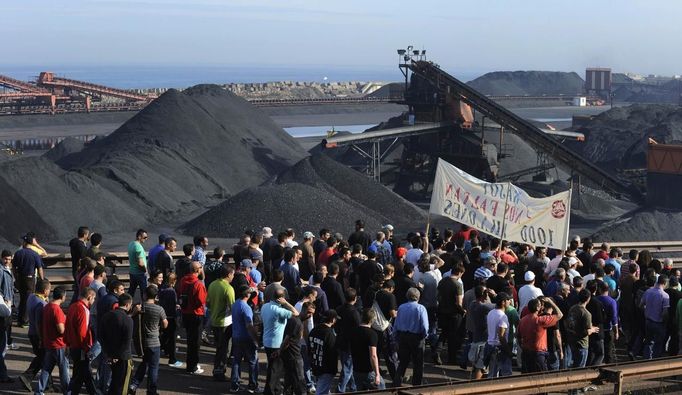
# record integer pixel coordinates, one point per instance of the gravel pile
(317, 192)
(532, 83)
(186, 151)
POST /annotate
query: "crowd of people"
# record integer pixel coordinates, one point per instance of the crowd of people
(326, 309)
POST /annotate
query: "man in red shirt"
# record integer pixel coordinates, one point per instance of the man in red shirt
(192, 295)
(325, 255)
(79, 339)
(533, 333)
(53, 326)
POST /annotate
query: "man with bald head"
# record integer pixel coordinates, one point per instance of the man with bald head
(192, 299)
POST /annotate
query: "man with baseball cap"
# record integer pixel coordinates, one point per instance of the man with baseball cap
(528, 291)
(486, 271)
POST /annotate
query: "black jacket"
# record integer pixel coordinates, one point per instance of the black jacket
(116, 334)
(334, 291)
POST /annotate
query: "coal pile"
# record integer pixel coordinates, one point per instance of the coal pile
(317, 192)
(532, 83)
(184, 152)
(40, 196)
(65, 148)
(618, 138)
(643, 225)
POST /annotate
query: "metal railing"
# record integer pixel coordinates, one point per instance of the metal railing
(118, 260)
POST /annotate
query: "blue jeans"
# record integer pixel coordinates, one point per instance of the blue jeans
(324, 384)
(52, 358)
(307, 370)
(346, 380)
(553, 361)
(4, 332)
(244, 349)
(365, 381)
(150, 364)
(137, 280)
(579, 356)
(500, 362)
(654, 339)
(103, 373)
(568, 357)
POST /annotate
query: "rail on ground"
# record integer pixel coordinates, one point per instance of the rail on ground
(617, 375)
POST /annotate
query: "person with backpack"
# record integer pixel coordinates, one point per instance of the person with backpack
(192, 296)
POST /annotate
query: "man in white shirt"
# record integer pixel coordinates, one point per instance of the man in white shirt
(498, 337)
(414, 253)
(528, 291)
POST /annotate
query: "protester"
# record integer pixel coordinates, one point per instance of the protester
(36, 303)
(324, 356)
(53, 326)
(533, 330)
(78, 248)
(79, 338)
(363, 346)
(152, 321)
(349, 320)
(192, 296)
(244, 341)
(5, 322)
(220, 300)
(412, 327)
(27, 265)
(275, 315)
(138, 263)
(168, 300)
(116, 336)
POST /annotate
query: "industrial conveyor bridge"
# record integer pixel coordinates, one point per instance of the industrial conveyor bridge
(540, 140)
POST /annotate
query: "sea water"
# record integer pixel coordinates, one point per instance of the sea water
(131, 77)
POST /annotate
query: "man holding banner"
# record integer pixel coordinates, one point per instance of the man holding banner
(502, 210)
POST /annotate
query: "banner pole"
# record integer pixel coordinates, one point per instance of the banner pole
(568, 214)
(426, 236)
(504, 216)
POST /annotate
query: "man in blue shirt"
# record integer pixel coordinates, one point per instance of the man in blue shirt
(200, 246)
(655, 303)
(244, 341)
(26, 264)
(412, 326)
(154, 252)
(292, 278)
(275, 315)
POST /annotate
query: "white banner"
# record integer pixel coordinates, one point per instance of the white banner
(502, 210)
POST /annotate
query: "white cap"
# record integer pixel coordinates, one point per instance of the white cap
(267, 231)
(529, 276)
(388, 227)
(576, 238)
(308, 235)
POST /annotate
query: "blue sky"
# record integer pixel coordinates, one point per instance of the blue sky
(638, 36)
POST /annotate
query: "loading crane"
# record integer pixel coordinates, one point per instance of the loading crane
(446, 84)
